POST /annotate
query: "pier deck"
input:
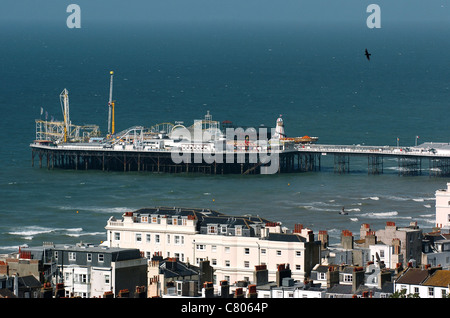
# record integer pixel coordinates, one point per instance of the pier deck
(430, 158)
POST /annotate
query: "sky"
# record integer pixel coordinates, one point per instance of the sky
(308, 11)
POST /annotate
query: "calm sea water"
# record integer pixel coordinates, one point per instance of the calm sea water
(316, 76)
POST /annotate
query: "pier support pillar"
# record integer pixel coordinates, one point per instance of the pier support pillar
(341, 163)
(375, 164)
(439, 167)
(409, 166)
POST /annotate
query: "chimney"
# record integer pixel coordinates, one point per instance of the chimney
(239, 293)
(261, 275)
(209, 289)
(47, 290)
(60, 292)
(363, 230)
(108, 294)
(383, 277)
(357, 278)
(332, 277)
(252, 291)
(370, 238)
(324, 239)
(140, 292)
(283, 271)
(347, 239)
(390, 225)
(124, 293)
(171, 263)
(224, 289)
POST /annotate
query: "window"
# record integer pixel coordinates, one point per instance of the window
(107, 281)
(175, 221)
(117, 236)
(263, 251)
(101, 257)
(348, 278)
(212, 229)
(227, 263)
(298, 267)
(431, 291)
(201, 247)
(148, 238)
(157, 238)
(56, 254)
(214, 261)
(321, 276)
(278, 252)
(227, 249)
(138, 237)
(168, 238)
(246, 251)
(72, 256)
(298, 253)
(416, 290)
(246, 264)
(213, 248)
(89, 257)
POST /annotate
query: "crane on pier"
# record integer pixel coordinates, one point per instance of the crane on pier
(111, 119)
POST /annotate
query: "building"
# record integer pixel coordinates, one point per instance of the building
(406, 241)
(88, 271)
(234, 245)
(170, 277)
(443, 208)
(427, 282)
(436, 249)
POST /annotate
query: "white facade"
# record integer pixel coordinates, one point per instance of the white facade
(233, 256)
(443, 207)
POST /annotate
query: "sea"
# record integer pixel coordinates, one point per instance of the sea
(315, 75)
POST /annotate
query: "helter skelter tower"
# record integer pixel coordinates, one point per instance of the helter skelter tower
(111, 119)
(64, 100)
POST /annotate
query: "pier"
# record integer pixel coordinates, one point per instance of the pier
(411, 161)
(211, 147)
(428, 158)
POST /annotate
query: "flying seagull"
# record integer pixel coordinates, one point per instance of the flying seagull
(368, 55)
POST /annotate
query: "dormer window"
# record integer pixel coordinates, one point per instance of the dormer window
(238, 230)
(212, 229)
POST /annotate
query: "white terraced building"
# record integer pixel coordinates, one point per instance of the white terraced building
(233, 245)
(443, 207)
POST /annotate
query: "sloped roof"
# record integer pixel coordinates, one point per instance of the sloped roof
(285, 237)
(413, 276)
(440, 278)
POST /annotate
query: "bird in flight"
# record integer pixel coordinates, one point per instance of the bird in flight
(367, 54)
